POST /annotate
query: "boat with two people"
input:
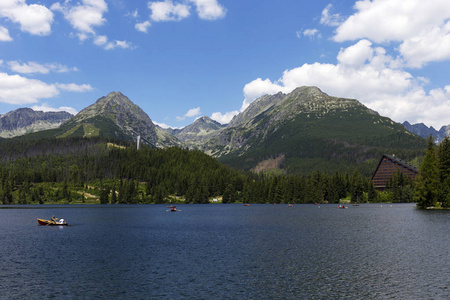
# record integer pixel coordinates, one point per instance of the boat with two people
(52, 222)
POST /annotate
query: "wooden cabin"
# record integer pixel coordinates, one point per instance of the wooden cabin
(388, 166)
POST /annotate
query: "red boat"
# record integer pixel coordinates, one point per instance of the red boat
(51, 223)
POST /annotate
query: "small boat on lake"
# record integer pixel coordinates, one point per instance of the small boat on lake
(60, 222)
(342, 206)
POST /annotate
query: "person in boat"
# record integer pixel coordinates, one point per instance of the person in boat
(54, 220)
(61, 221)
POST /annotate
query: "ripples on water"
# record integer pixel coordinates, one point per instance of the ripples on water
(226, 252)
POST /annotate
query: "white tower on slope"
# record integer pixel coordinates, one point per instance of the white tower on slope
(138, 142)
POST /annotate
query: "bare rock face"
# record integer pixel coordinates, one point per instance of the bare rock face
(424, 131)
(26, 120)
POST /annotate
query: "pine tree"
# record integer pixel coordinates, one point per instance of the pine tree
(444, 172)
(426, 183)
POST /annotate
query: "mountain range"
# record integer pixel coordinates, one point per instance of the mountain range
(298, 132)
(25, 120)
(424, 131)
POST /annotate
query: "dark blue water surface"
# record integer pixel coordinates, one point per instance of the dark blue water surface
(225, 252)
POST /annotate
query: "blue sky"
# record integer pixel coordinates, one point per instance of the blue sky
(181, 59)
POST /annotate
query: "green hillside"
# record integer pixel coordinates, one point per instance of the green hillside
(321, 139)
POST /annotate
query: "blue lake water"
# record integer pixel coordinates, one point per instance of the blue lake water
(374, 251)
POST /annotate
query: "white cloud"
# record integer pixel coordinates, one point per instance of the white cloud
(83, 17)
(190, 113)
(34, 67)
(432, 45)
(142, 27)
(209, 9)
(258, 88)
(118, 44)
(4, 34)
(46, 107)
(34, 18)
(100, 40)
(193, 112)
(330, 19)
(168, 11)
(311, 33)
(421, 27)
(15, 89)
(356, 55)
(165, 126)
(224, 118)
(371, 77)
(72, 87)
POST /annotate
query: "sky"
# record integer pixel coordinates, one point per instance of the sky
(182, 59)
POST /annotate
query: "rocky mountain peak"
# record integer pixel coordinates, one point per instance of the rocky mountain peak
(26, 120)
(202, 128)
(129, 117)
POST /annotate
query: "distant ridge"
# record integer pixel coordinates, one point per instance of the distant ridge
(26, 120)
(424, 131)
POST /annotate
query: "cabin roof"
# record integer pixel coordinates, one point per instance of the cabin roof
(398, 161)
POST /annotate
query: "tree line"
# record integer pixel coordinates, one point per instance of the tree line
(432, 185)
(75, 170)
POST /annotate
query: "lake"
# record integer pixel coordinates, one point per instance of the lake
(374, 251)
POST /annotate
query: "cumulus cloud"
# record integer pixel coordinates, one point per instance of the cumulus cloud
(118, 44)
(356, 55)
(165, 126)
(369, 75)
(102, 40)
(224, 118)
(34, 67)
(46, 107)
(311, 33)
(72, 87)
(168, 11)
(209, 9)
(143, 27)
(16, 89)
(427, 46)
(85, 15)
(421, 27)
(193, 112)
(258, 88)
(34, 18)
(4, 34)
(330, 19)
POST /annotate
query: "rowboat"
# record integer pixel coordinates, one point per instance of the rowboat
(50, 223)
